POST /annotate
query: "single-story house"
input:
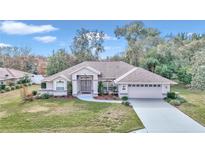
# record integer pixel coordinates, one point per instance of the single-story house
(12, 75)
(131, 81)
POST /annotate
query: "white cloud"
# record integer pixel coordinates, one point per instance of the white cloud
(4, 45)
(108, 37)
(45, 39)
(20, 28)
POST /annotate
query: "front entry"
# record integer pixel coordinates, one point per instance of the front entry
(86, 84)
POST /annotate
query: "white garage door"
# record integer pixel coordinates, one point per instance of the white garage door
(145, 91)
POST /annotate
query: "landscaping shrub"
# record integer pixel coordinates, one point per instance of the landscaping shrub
(181, 99)
(29, 84)
(25, 79)
(175, 102)
(45, 96)
(7, 88)
(34, 92)
(17, 86)
(124, 98)
(69, 88)
(100, 88)
(115, 90)
(26, 84)
(125, 101)
(13, 87)
(2, 91)
(2, 86)
(171, 95)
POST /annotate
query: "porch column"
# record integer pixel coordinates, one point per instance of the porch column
(95, 87)
(74, 88)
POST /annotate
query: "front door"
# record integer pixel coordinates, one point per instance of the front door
(86, 84)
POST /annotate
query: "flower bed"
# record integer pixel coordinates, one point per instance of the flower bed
(107, 97)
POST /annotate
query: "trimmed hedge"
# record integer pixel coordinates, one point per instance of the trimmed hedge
(2, 86)
(171, 95)
(13, 87)
(175, 102)
(175, 99)
(34, 92)
(17, 86)
(124, 98)
(7, 88)
(45, 96)
(2, 91)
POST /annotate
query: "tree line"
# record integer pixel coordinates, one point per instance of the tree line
(178, 57)
(19, 58)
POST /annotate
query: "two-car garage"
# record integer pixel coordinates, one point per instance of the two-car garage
(140, 83)
(145, 91)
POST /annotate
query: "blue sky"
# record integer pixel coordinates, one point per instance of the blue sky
(44, 36)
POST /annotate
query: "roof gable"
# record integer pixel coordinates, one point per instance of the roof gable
(88, 68)
(140, 75)
(107, 70)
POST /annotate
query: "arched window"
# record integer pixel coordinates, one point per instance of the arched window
(60, 85)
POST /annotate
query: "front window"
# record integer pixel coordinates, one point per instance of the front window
(123, 87)
(43, 85)
(60, 85)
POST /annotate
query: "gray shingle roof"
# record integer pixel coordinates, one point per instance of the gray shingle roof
(109, 70)
(7, 73)
(116, 70)
(140, 75)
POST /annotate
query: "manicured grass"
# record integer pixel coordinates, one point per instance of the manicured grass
(64, 115)
(195, 107)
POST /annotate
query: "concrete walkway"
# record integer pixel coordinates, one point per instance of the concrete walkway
(86, 97)
(161, 117)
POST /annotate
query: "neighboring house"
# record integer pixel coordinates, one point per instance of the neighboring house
(130, 81)
(8, 75)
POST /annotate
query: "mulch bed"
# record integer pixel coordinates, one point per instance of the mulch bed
(107, 97)
(65, 97)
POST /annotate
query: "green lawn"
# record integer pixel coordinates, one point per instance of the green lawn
(64, 115)
(195, 107)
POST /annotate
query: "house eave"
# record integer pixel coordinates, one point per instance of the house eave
(130, 82)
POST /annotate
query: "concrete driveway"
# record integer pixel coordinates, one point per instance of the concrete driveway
(160, 117)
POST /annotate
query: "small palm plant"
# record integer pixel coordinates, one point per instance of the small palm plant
(100, 88)
(25, 96)
(125, 101)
